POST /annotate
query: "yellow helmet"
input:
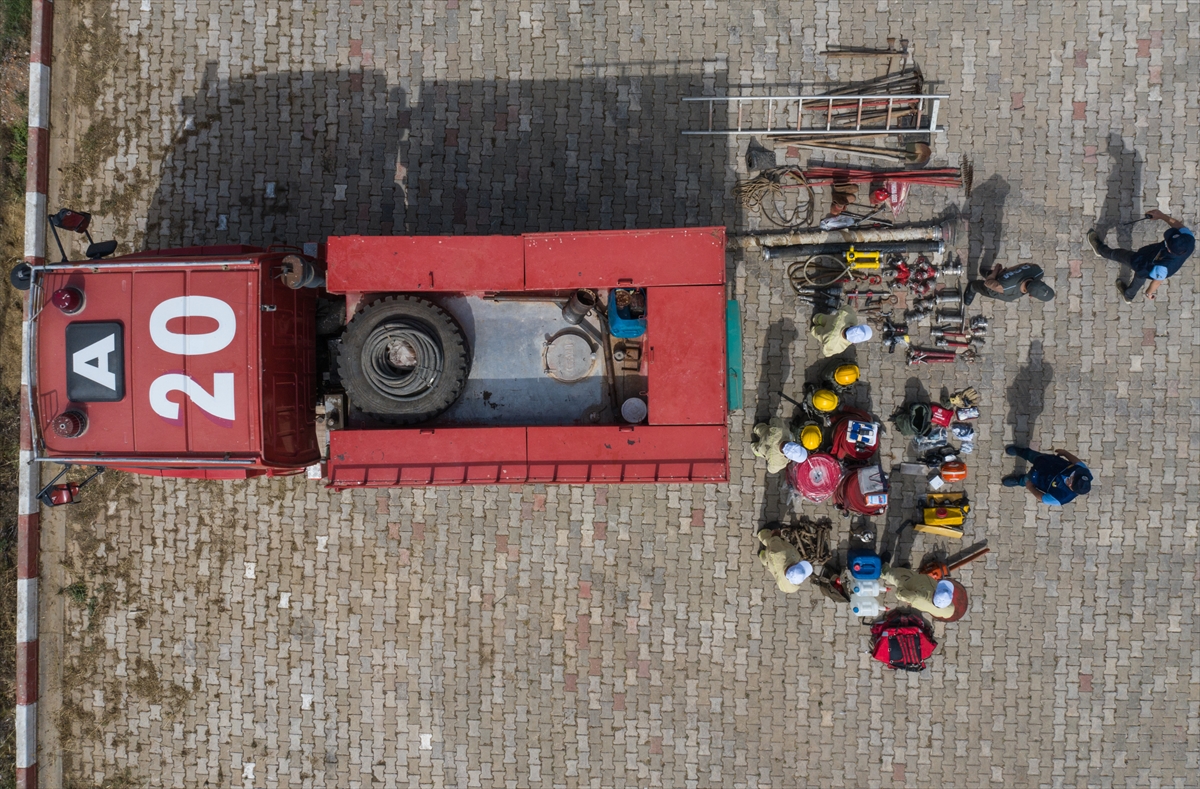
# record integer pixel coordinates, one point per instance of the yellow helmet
(846, 374)
(824, 400)
(810, 438)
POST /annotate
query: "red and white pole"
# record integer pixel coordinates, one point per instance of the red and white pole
(37, 178)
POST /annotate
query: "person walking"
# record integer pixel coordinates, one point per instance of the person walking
(1056, 479)
(1010, 284)
(783, 561)
(839, 331)
(1154, 262)
(945, 599)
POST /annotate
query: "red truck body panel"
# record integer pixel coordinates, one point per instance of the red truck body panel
(606, 259)
(514, 455)
(366, 264)
(220, 377)
(687, 342)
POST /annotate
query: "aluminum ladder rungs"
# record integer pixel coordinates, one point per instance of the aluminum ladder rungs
(833, 115)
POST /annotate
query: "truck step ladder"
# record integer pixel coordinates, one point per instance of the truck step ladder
(819, 116)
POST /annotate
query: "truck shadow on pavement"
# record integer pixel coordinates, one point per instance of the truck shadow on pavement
(986, 215)
(296, 156)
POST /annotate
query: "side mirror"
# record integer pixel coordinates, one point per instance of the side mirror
(79, 222)
(74, 221)
(55, 494)
(21, 276)
(100, 250)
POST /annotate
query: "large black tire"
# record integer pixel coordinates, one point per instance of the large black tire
(402, 395)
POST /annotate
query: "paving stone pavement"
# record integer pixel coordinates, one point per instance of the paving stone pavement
(272, 634)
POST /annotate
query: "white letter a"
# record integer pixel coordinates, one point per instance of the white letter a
(97, 352)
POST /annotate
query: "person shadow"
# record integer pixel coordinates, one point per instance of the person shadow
(1123, 197)
(1027, 396)
(986, 225)
(905, 492)
(775, 374)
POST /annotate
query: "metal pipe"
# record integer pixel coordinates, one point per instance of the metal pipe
(95, 265)
(92, 460)
(808, 250)
(939, 232)
(578, 306)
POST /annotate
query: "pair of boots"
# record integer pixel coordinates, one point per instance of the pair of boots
(1126, 290)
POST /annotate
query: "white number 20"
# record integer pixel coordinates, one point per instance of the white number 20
(220, 402)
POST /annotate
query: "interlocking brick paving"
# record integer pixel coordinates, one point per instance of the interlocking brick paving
(272, 634)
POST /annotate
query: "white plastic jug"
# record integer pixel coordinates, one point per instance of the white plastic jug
(866, 606)
(867, 587)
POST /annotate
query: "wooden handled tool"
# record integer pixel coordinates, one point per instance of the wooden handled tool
(938, 570)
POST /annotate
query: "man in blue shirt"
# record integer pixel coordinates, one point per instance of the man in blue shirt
(1054, 479)
(1153, 262)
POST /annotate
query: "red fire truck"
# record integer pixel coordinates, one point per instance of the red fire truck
(574, 357)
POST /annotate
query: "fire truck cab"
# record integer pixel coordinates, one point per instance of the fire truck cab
(382, 361)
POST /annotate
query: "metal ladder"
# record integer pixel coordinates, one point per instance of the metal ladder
(822, 116)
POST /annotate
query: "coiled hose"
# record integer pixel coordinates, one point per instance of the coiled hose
(818, 271)
(383, 375)
(763, 190)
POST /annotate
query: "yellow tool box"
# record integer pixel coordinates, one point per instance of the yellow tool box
(944, 515)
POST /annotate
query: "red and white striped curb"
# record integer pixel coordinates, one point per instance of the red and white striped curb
(37, 178)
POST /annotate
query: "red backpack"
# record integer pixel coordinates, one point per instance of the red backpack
(902, 640)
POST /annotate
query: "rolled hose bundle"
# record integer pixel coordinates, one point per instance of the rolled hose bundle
(817, 478)
(385, 376)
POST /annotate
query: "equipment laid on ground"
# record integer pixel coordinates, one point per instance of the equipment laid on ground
(823, 400)
(864, 596)
(811, 539)
(933, 356)
(939, 570)
(861, 260)
(846, 374)
(855, 436)
(894, 334)
(862, 491)
(953, 471)
(944, 515)
(389, 361)
(816, 479)
(888, 105)
(902, 640)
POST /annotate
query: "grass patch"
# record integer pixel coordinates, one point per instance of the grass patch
(98, 143)
(77, 591)
(14, 23)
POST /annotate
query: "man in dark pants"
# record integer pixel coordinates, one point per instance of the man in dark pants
(1054, 479)
(1010, 284)
(1155, 262)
